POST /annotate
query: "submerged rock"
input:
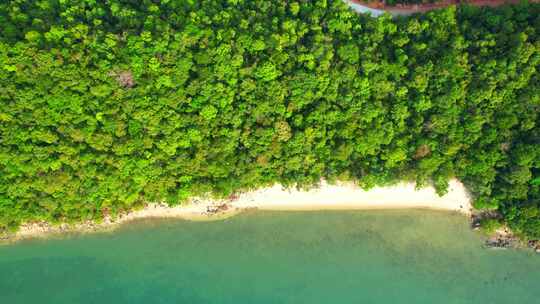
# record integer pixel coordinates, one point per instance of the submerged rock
(503, 238)
(500, 243)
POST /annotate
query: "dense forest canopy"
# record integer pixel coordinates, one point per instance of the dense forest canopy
(105, 105)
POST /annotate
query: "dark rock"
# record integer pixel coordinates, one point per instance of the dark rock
(534, 245)
(502, 241)
(216, 209)
(479, 216)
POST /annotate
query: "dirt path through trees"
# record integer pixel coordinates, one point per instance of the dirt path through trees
(406, 9)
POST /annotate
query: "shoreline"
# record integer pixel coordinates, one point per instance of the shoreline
(339, 196)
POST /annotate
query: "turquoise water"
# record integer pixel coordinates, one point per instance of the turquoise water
(273, 257)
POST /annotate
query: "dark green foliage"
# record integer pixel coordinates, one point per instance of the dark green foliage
(105, 106)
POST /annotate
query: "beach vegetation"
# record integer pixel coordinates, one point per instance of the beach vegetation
(490, 225)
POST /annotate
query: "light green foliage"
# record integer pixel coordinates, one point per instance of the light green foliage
(489, 226)
(107, 105)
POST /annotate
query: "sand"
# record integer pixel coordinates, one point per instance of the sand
(340, 196)
(350, 196)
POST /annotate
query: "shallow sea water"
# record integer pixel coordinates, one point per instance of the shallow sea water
(392, 256)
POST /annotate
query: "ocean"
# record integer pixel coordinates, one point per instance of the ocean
(390, 256)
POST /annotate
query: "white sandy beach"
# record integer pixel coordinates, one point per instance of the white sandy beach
(350, 196)
(341, 196)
